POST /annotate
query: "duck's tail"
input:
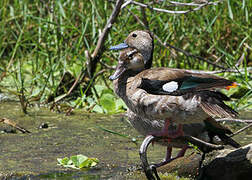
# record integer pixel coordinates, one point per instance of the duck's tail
(215, 129)
(212, 103)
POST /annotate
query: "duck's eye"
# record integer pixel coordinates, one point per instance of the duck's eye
(134, 35)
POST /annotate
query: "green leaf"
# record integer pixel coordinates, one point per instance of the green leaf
(108, 103)
(12, 14)
(63, 161)
(90, 162)
(120, 105)
(99, 89)
(78, 162)
(80, 159)
(61, 9)
(97, 108)
(70, 162)
(230, 10)
(94, 162)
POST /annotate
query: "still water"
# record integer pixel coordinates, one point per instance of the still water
(34, 155)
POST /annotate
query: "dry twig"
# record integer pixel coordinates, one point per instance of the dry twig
(199, 6)
(70, 90)
(95, 57)
(237, 120)
(241, 130)
(13, 124)
(234, 120)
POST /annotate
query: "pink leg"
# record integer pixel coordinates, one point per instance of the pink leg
(182, 152)
(168, 156)
(169, 134)
(168, 153)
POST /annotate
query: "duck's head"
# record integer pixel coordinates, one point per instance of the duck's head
(129, 59)
(142, 41)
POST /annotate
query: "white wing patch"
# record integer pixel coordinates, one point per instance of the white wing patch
(170, 86)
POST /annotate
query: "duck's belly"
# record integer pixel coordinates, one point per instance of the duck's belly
(149, 126)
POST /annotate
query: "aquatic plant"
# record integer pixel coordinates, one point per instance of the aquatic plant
(49, 53)
(78, 162)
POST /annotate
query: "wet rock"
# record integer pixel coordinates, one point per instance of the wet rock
(43, 125)
(227, 164)
(11, 131)
(186, 166)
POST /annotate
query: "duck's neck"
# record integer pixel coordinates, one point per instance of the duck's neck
(148, 56)
(131, 73)
(148, 63)
(120, 84)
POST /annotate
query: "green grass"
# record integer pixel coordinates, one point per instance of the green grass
(41, 41)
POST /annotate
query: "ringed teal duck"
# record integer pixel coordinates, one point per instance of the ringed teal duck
(160, 99)
(125, 87)
(175, 95)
